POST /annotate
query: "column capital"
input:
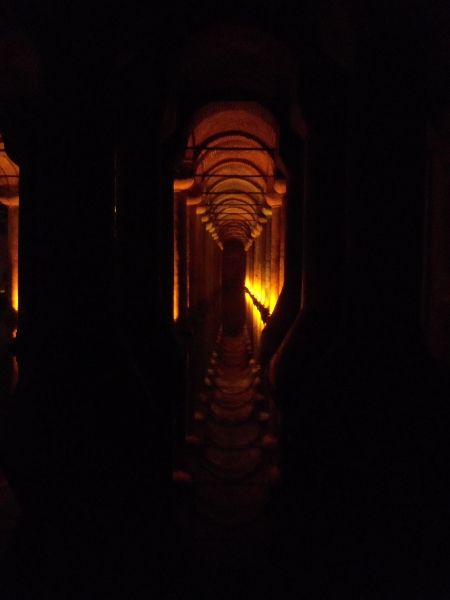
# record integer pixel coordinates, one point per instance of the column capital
(192, 200)
(274, 200)
(280, 186)
(180, 185)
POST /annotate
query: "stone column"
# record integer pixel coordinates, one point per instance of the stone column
(282, 212)
(197, 353)
(193, 256)
(288, 305)
(258, 267)
(275, 202)
(9, 195)
(248, 280)
(181, 251)
(265, 262)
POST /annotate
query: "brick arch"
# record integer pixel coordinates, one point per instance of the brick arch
(232, 147)
(245, 117)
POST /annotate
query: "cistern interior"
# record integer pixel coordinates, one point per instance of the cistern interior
(224, 300)
(229, 242)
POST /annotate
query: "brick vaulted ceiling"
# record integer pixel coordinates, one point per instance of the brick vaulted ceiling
(231, 152)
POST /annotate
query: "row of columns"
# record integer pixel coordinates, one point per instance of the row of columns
(288, 237)
(197, 279)
(196, 293)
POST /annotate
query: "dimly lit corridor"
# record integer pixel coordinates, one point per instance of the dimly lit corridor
(224, 300)
(232, 199)
(226, 465)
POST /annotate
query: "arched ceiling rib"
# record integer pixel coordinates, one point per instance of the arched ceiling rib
(231, 154)
(249, 118)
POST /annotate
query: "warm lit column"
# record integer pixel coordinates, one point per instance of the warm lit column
(249, 284)
(195, 346)
(291, 249)
(13, 247)
(250, 263)
(201, 255)
(282, 217)
(275, 202)
(322, 267)
(9, 195)
(192, 254)
(257, 270)
(176, 261)
(268, 245)
(13, 255)
(263, 242)
(180, 252)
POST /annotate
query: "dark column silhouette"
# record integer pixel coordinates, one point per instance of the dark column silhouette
(288, 304)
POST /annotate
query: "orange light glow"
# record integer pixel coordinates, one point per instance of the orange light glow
(176, 283)
(15, 299)
(258, 296)
(13, 242)
(175, 303)
(273, 299)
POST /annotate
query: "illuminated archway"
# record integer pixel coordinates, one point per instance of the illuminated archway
(230, 184)
(231, 159)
